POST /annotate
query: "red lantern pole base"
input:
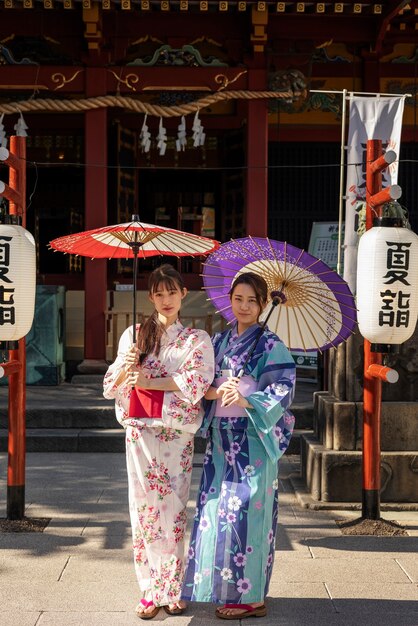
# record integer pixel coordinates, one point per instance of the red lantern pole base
(16, 468)
(371, 504)
(372, 397)
(15, 502)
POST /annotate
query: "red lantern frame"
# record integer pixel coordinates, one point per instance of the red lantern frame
(15, 192)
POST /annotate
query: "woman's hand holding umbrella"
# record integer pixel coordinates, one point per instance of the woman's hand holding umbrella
(139, 379)
(134, 374)
(131, 358)
(230, 394)
(130, 361)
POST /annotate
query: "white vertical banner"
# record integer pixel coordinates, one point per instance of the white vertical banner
(378, 117)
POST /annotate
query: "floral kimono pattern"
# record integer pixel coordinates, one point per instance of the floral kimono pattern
(232, 542)
(187, 355)
(159, 455)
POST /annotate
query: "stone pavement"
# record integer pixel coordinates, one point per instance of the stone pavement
(79, 571)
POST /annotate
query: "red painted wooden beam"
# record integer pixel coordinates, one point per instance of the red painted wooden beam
(95, 216)
(257, 160)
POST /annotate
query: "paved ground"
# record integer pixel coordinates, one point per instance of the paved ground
(79, 572)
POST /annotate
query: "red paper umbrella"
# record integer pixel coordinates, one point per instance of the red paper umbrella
(134, 240)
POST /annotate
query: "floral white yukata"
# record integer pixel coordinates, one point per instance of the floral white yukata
(159, 454)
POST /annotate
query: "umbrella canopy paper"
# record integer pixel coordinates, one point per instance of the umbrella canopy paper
(122, 241)
(135, 240)
(319, 311)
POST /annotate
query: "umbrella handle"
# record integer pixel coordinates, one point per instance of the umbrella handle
(135, 270)
(135, 245)
(277, 297)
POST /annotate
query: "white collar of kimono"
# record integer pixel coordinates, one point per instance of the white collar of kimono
(173, 330)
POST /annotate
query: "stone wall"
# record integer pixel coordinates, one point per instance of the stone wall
(331, 458)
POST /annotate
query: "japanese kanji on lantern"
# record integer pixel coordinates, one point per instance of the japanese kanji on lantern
(387, 284)
(17, 281)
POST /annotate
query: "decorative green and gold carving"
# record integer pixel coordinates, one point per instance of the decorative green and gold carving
(61, 79)
(129, 81)
(224, 81)
(186, 56)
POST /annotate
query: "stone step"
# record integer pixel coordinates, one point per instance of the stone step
(303, 413)
(103, 416)
(98, 440)
(336, 475)
(65, 417)
(91, 380)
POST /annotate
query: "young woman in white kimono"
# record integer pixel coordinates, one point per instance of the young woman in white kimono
(157, 385)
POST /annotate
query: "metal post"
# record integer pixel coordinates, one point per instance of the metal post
(342, 195)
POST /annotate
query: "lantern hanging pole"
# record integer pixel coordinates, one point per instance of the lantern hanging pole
(386, 374)
(11, 367)
(16, 160)
(15, 190)
(372, 388)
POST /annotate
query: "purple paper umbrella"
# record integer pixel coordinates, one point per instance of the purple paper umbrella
(319, 311)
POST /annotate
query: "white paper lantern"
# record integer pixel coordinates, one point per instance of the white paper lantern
(387, 285)
(17, 281)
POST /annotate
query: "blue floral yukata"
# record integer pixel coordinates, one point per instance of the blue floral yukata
(232, 543)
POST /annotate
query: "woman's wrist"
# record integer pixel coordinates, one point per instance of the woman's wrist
(244, 403)
(211, 394)
(159, 384)
(155, 384)
(120, 378)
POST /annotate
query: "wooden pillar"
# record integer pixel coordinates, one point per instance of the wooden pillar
(95, 283)
(371, 71)
(257, 158)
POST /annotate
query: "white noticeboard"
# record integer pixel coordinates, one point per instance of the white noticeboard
(324, 242)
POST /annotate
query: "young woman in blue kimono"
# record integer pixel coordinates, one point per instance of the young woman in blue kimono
(249, 427)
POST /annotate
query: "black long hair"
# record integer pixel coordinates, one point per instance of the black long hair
(151, 332)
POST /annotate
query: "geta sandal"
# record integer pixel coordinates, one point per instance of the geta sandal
(176, 610)
(146, 605)
(247, 611)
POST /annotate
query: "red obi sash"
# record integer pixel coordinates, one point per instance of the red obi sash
(146, 403)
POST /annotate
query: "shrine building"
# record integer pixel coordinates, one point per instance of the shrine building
(260, 86)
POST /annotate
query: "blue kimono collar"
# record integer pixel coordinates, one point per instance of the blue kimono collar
(248, 332)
